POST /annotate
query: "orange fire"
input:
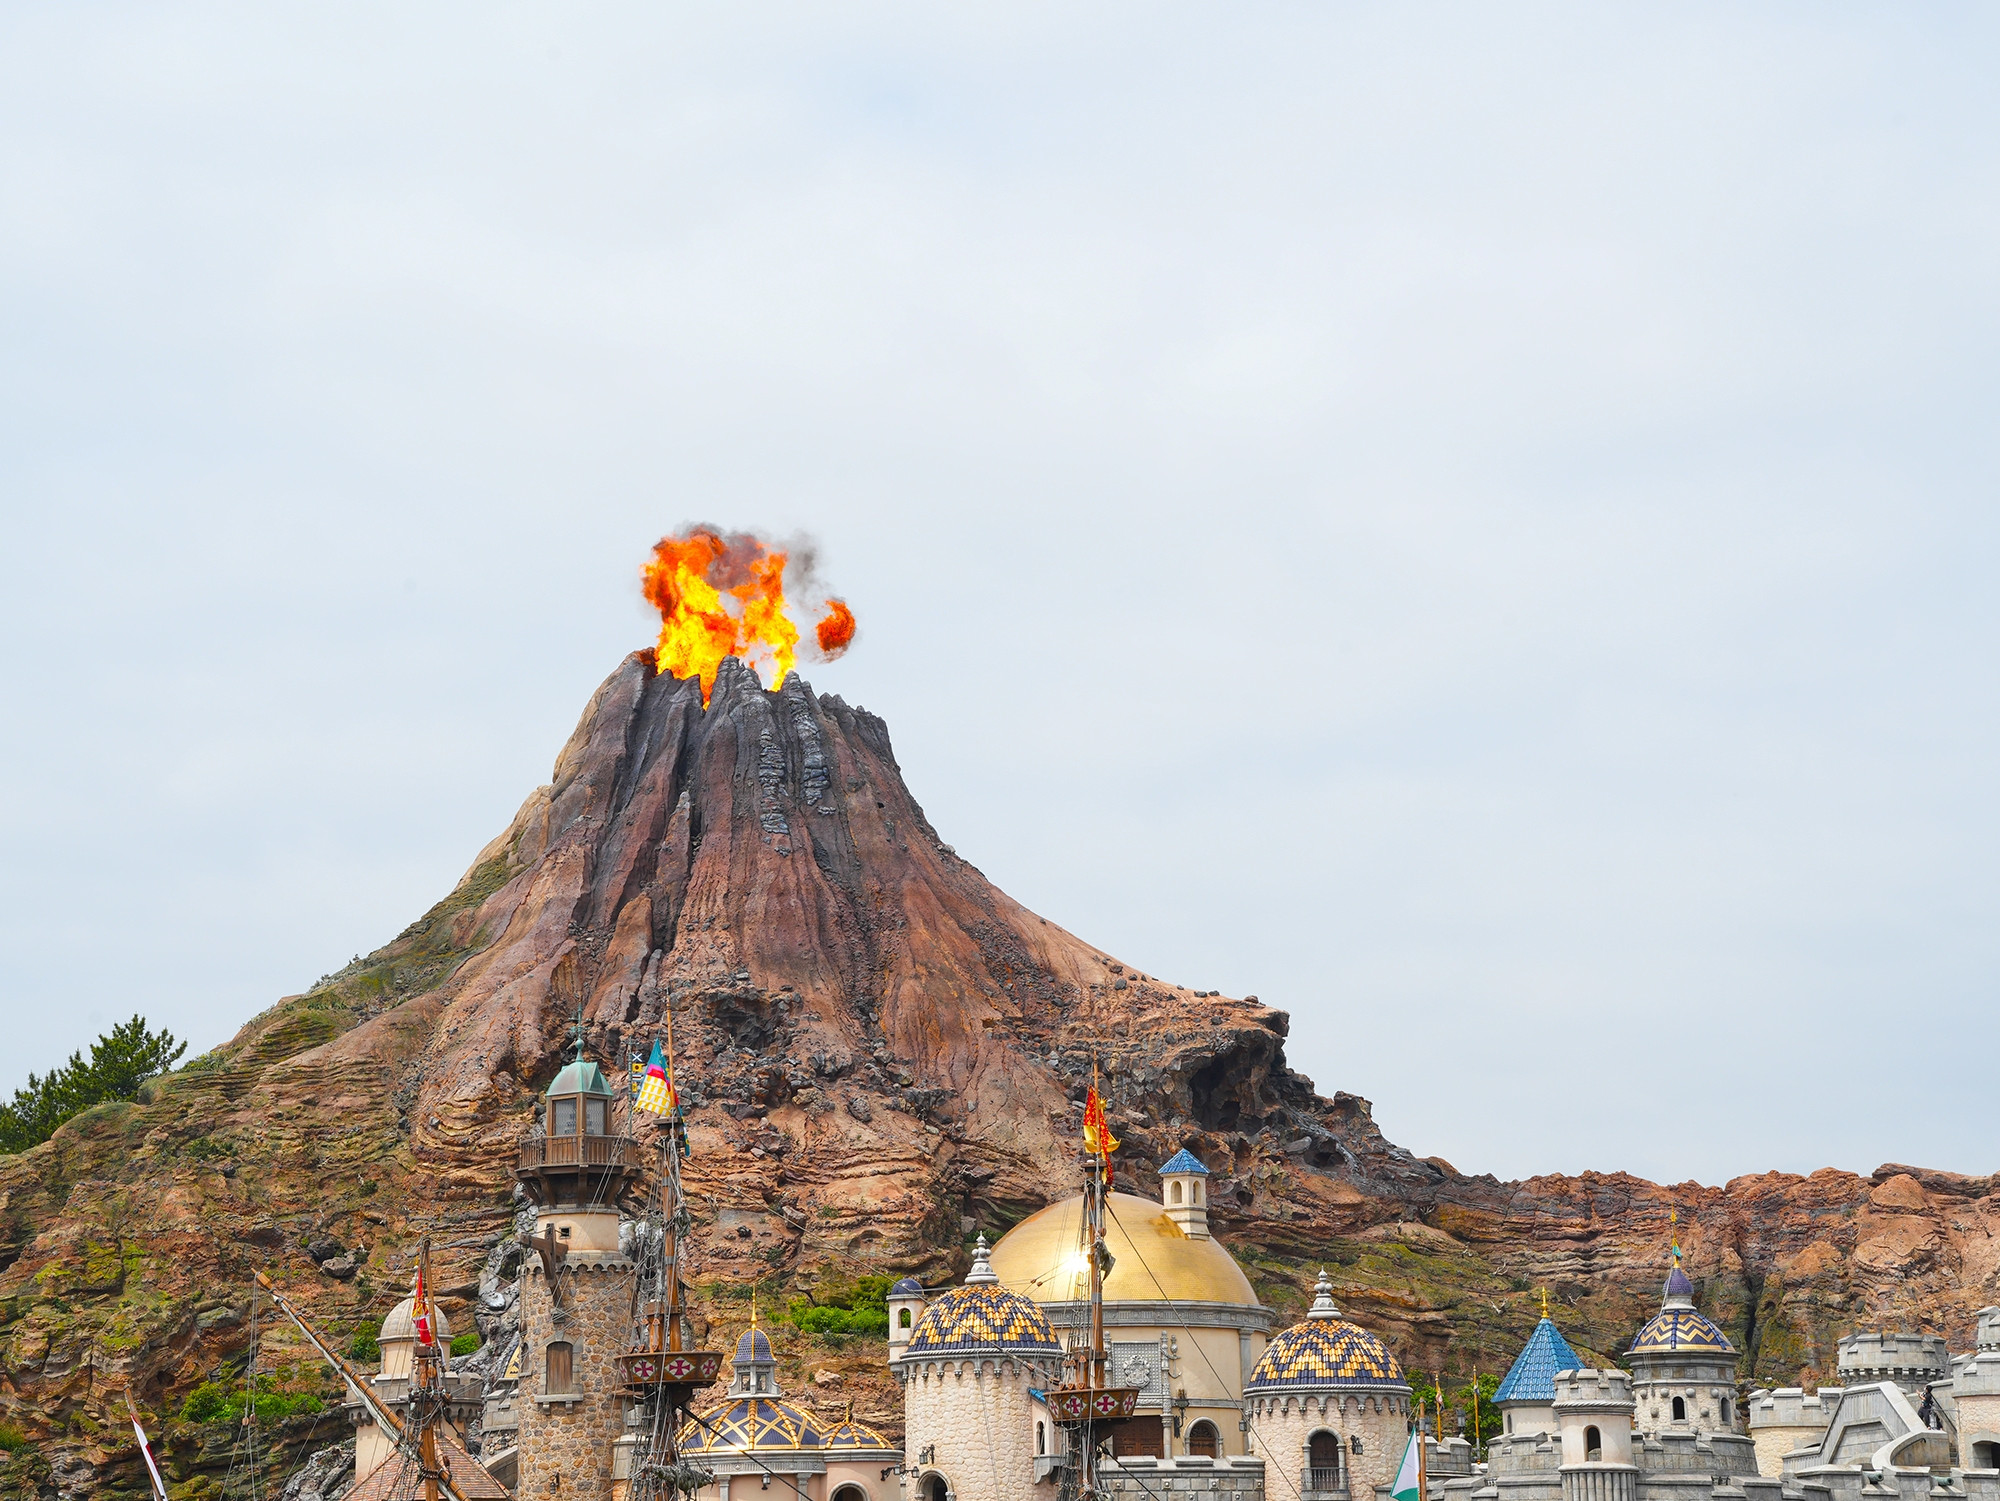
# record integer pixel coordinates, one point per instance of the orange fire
(724, 596)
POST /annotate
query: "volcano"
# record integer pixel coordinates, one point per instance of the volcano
(880, 1052)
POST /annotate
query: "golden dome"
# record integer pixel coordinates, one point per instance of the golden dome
(1153, 1258)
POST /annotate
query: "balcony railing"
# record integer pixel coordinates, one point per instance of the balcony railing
(580, 1151)
(1321, 1480)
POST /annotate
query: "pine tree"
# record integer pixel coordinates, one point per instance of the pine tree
(120, 1061)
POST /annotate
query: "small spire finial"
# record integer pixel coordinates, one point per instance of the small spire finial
(1545, 1300)
(982, 1269)
(1322, 1304)
(579, 1031)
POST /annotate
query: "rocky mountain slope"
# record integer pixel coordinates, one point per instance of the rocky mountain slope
(882, 1052)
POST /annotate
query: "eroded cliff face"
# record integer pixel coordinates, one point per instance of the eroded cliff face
(880, 1051)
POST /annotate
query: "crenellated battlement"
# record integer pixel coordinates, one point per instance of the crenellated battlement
(1905, 1358)
(1792, 1407)
(1593, 1389)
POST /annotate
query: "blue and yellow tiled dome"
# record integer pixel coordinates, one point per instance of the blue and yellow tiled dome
(1324, 1350)
(1679, 1327)
(982, 1315)
(849, 1434)
(749, 1423)
(1672, 1330)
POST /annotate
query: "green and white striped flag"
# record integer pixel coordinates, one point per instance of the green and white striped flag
(1408, 1486)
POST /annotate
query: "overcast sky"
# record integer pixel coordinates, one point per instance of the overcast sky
(1474, 524)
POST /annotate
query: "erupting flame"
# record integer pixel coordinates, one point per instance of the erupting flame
(724, 596)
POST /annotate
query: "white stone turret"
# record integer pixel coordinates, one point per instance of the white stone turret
(1184, 1191)
(1912, 1361)
(1787, 1419)
(970, 1367)
(1594, 1419)
(906, 1305)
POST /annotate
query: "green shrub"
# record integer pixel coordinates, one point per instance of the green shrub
(857, 1308)
(465, 1344)
(12, 1439)
(365, 1345)
(216, 1401)
(206, 1403)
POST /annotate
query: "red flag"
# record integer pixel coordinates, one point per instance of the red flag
(1097, 1135)
(423, 1311)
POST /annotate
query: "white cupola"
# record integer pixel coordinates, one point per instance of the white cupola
(1184, 1191)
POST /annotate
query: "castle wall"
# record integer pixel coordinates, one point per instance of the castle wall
(1282, 1423)
(570, 1436)
(1786, 1420)
(975, 1411)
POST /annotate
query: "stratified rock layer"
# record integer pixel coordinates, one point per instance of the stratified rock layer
(880, 1051)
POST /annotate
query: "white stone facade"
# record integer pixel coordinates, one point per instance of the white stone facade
(971, 1420)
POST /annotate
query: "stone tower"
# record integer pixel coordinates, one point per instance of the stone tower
(1683, 1368)
(1593, 1412)
(1328, 1405)
(576, 1290)
(969, 1372)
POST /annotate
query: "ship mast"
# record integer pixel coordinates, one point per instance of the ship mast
(436, 1482)
(1087, 1402)
(660, 1373)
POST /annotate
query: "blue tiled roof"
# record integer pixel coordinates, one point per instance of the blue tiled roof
(1183, 1161)
(907, 1287)
(1532, 1377)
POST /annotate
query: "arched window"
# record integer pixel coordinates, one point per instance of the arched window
(1041, 1438)
(1725, 1411)
(1680, 1410)
(558, 1369)
(902, 1318)
(1202, 1439)
(1323, 1462)
(935, 1488)
(1196, 1191)
(1986, 1456)
(1593, 1447)
(850, 1493)
(1175, 1193)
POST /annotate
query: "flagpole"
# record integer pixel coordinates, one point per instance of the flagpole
(159, 1486)
(1423, 1468)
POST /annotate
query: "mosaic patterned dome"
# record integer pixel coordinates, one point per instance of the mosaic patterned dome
(749, 1423)
(1324, 1350)
(982, 1315)
(1679, 1327)
(1673, 1330)
(852, 1435)
(754, 1347)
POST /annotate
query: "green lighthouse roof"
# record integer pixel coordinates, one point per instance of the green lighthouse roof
(580, 1077)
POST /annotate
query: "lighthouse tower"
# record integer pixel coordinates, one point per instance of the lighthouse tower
(577, 1288)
